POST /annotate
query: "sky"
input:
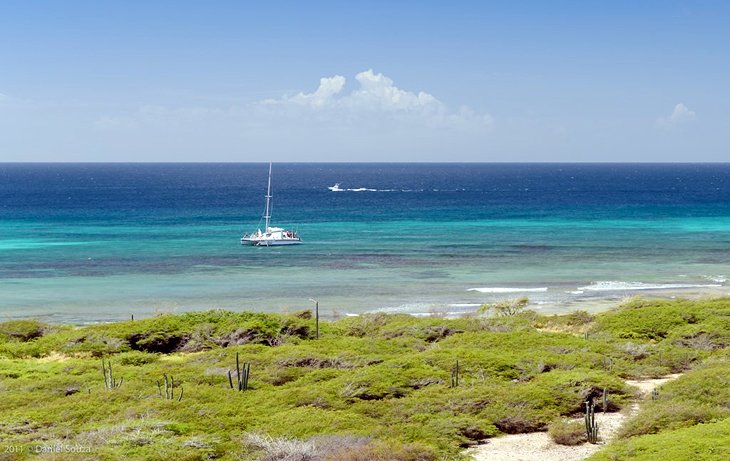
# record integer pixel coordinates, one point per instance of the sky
(339, 81)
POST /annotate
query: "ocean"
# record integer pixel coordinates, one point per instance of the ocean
(86, 243)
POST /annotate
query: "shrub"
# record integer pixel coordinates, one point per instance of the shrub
(700, 396)
(656, 418)
(383, 451)
(568, 432)
(706, 442)
(282, 448)
(335, 448)
(135, 358)
(578, 317)
(22, 330)
(506, 308)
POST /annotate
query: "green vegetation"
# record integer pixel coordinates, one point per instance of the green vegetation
(375, 387)
(704, 442)
(568, 432)
(506, 307)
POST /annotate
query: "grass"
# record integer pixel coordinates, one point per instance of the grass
(373, 387)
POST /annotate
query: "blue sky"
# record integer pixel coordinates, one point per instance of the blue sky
(364, 81)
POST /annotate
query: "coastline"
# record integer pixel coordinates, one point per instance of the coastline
(333, 307)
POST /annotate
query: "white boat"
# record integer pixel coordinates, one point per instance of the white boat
(271, 236)
(335, 188)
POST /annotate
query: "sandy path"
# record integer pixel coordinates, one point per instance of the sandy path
(539, 446)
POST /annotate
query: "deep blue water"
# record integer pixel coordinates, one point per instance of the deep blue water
(87, 242)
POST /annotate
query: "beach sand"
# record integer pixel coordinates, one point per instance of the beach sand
(538, 446)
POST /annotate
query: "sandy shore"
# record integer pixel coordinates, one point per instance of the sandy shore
(538, 446)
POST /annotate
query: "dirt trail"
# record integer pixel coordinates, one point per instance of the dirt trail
(538, 446)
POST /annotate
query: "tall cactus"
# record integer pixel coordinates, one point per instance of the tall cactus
(242, 374)
(590, 420)
(455, 375)
(169, 388)
(110, 382)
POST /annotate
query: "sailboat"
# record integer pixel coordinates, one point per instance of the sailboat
(271, 236)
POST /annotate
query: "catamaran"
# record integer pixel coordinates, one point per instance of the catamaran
(271, 236)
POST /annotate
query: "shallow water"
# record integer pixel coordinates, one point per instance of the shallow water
(93, 242)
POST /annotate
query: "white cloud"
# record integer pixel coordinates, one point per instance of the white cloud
(328, 88)
(333, 122)
(377, 92)
(376, 104)
(376, 98)
(681, 114)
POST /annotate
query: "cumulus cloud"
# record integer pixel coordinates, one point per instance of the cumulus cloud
(377, 92)
(328, 88)
(369, 117)
(377, 96)
(376, 103)
(681, 114)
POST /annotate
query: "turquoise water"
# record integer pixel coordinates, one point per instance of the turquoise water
(85, 243)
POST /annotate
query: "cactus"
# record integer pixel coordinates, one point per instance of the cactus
(455, 375)
(242, 374)
(655, 394)
(590, 420)
(605, 399)
(110, 382)
(169, 388)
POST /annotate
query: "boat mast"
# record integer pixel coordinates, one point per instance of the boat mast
(267, 215)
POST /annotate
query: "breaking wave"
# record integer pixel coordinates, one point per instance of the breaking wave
(631, 286)
(508, 290)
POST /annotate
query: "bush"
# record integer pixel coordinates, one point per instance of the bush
(383, 451)
(136, 359)
(699, 396)
(706, 442)
(568, 432)
(22, 330)
(335, 448)
(506, 308)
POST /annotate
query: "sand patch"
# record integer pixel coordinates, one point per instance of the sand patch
(538, 446)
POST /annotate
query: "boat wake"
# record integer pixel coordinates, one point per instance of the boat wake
(337, 188)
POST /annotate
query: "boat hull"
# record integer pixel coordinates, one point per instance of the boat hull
(262, 242)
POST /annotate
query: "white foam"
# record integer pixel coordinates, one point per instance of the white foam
(715, 278)
(575, 292)
(508, 290)
(632, 286)
(464, 305)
